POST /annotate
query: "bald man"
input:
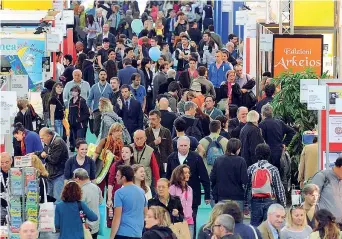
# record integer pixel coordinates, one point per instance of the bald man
(167, 116)
(144, 155)
(6, 163)
(28, 230)
(77, 80)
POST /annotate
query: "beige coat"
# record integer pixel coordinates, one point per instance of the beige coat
(265, 230)
(308, 165)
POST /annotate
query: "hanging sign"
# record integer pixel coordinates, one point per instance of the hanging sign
(240, 17)
(304, 84)
(19, 84)
(22, 161)
(317, 97)
(266, 42)
(68, 17)
(52, 42)
(8, 102)
(5, 121)
(227, 5)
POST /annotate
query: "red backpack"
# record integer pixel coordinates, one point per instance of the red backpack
(261, 182)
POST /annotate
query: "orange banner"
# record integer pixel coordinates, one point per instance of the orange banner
(296, 53)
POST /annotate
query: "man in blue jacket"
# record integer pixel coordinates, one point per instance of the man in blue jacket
(125, 74)
(217, 72)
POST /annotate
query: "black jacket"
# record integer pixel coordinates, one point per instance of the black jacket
(153, 233)
(132, 117)
(195, 35)
(261, 103)
(68, 74)
(78, 113)
(57, 152)
(167, 119)
(227, 178)
(174, 203)
(236, 94)
(111, 38)
(199, 174)
(184, 79)
(148, 81)
(26, 119)
(182, 62)
(88, 72)
(250, 137)
(234, 127)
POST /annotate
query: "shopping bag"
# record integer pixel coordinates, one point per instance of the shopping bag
(46, 214)
(102, 167)
(86, 233)
(181, 229)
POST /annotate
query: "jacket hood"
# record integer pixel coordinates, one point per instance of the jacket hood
(111, 114)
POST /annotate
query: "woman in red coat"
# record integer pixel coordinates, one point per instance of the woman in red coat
(127, 158)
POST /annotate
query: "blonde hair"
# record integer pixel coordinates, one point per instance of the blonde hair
(105, 105)
(217, 211)
(230, 72)
(165, 180)
(162, 215)
(114, 128)
(289, 222)
(37, 164)
(22, 103)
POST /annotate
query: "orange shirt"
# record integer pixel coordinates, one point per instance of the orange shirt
(199, 100)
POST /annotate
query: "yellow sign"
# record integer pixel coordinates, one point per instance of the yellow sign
(27, 4)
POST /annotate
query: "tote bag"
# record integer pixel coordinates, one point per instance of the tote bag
(181, 229)
(46, 214)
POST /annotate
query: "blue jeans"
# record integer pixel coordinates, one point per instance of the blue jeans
(59, 127)
(55, 187)
(77, 134)
(259, 207)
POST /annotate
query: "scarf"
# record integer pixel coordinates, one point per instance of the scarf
(114, 146)
(194, 75)
(229, 85)
(22, 145)
(139, 148)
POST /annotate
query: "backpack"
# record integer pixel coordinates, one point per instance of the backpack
(285, 170)
(194, 131)
(164, 234)
(261, 181)
(214, 149)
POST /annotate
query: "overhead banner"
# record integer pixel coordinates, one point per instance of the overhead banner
(296, 53)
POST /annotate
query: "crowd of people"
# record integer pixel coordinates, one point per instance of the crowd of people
(165, 130)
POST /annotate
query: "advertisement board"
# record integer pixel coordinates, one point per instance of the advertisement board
(296, 53)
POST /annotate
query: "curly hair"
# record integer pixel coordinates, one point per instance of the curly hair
(72, 192)
(177, 177)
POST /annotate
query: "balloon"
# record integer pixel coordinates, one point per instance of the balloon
(154, 53)
(137, 26)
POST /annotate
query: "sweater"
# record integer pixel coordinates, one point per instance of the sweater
(67, 219)
(186, 198)
(217, 76)
(96, 92)
(32, 142)
(72, 164)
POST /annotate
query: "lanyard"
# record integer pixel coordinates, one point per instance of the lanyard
(142, 153)
(101, 92)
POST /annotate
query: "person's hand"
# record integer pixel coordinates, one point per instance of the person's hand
(301, 184)
(157, 141)
(120, 103)
(207, 201)
(43, 155)
(109, 203)
(243, 90)
(175, 213)
(284, 147)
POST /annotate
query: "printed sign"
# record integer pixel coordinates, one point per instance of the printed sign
(266, 42)
(19, 84)
(304, 84)
(22, 161)
(8, 101)
(240, 17)
(52, 42)
(5, 122)
(296, 53)
(335, 129)
(317, 97)
(227, 5)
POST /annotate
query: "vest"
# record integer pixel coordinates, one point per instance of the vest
(143, 157)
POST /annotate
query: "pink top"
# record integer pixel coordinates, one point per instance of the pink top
(186, 199)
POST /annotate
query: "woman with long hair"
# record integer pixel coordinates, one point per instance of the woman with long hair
(157, 222)
(80, 59)
(67, 213)
(296, 224)
(180, 188)
(92, 30)
(57, 108)
(29, 141)
(204, 119)
(127, 158)
(139, 180)
(327, 227)
(111, 69)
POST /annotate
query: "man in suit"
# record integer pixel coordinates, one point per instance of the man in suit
(198, 172)
(271, 227)
(159, 138)
(129, 110)
(236, 124)
(106, 34)
(125, 74)
(99, 17)
(170, 27)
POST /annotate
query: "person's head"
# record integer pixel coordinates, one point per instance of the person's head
(157, 216)
(172, 13)
(218, 210)
(174, 88)
(57, 89)
(180, 125)
(233, 209)
(79, 47)
(233, 39)
(154, 117)
(139, 138)
(75, 91)
(106, 43)
(46, 135)
(136, 79)
(164, 67)
(225, 56)
(19, 132)
(209, 102)
(163, 185)
(242, 114)
(163, 103)
(253, 117)
(28, 230)
(190, 108)
(224, 225)
(114, 83)
(103, 76)
(171, 73)
(192, 64)
(135, 39)
(81, 176)
(115, 131)
(230, 76)
(6, 161)
(125, 91)
(215, 126)
(183, 145)
(72, 192)
(129, 52)
(80, 59)
(140, 176)
(238, 70)
(311, 194)
(327, 226)
(105, 28)
(263, 152)
(77, 75)
(127, 62)
(185, 40)
(233, 146)
(230, 47)
(202, 71)
(146, 63)
(206, 36)
(180, 176)
(91, 55)
(223, 119)
(269, 90)
(296, 217)
(125, 174)
(111, 54)
(266, 111)
(276, 215)
(218, 57)
(105, 105)
(184, 94)
(180, 15)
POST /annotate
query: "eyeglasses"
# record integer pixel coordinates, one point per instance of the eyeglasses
(296, 206)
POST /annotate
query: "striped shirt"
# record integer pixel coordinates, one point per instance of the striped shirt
(277, 186)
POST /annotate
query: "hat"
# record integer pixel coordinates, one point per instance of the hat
(196, 87)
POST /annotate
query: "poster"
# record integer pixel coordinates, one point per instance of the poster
(296, 53)
(332, 158)
(3, 80)
(46, 64)
(317, 97)
(5, 121)
(227, 5)
(338, 105)
(335, 129)
(335, 92)
(19, 84)
(52, 42)
(251, 30)
(240, 17)
(304, 84)
(8, 101)
(22, 161)
(266, 42)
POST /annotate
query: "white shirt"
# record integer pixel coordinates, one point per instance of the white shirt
(156, 132)
(182, 158)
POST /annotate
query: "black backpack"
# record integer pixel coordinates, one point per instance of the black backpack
(194, 131)
(164, 234)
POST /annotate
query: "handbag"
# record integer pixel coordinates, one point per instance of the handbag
(86, 232)
(181, 230)
(46, 214)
